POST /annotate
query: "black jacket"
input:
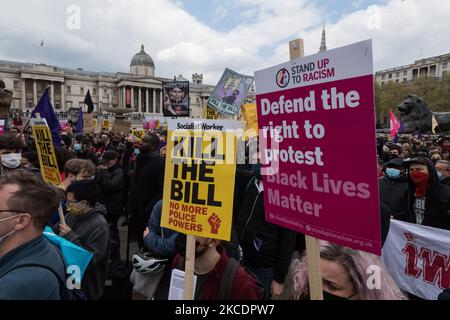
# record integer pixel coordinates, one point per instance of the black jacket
(111, 183)
(276, 244)
(91, 232)
(437, 204)
(394, 194)
(446, 182)
(146, 189)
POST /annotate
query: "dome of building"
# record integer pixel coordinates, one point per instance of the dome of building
(142, 59)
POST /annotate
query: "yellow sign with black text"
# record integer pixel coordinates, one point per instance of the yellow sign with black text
(46, 152)
(199, 178)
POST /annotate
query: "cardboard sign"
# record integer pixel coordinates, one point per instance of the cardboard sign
(138, 133)
(106, 124)
(250, 116)
(199, 178)
(418, 258)
(121, 126)
(309, 110)
(46, 151)
(230, 92)
(88, 120)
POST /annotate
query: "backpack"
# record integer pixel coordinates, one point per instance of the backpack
(65, 293)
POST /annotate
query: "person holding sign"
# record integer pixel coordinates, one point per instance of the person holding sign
(218, 277)
(347, 274)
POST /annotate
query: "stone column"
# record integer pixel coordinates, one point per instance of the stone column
(124, 97)
(132, 98)
(139, 100)
(160, 101)
(34, 92)
(24, 95)
(63, 98)
(154, 101)
(52, 93)
(146, 100)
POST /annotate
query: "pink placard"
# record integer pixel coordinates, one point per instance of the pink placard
(324, 147)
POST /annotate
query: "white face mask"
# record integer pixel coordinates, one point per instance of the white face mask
(11, 160)
(9, 233)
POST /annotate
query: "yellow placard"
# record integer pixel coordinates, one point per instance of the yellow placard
(199, 178)
(106, 124)
(95, 121)
(46, 152)
(211, 113)
(138, 133)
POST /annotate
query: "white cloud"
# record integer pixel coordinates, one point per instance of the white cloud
(112, 32)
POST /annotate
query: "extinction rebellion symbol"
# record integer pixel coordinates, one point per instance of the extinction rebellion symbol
(283, 78)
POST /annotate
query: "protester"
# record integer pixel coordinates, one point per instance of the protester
(394, 188)
(267, 248)
(344, 276)
(428, 200)
(443, 171)
(212, 267)
(86, 226)
(111, 180)
(146, 187)
(29, 264)
(10, 153)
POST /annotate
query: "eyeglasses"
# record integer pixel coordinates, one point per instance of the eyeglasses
(13, 211)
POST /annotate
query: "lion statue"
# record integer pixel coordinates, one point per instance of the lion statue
(415, 116)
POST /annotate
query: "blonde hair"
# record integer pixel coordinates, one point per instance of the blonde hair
(357, 264)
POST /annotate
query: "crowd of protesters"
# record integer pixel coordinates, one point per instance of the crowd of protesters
(106, 176)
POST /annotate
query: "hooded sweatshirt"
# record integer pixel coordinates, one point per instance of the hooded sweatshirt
(91, 232)
(437, 201)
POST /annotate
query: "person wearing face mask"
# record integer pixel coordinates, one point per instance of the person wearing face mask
(344, 276)
(146, 187)
(86, 227)
(10, 153)
(394, 188)
(29, 263)
(428, 200)
(443, 171)
(214, 271)
(110, 179)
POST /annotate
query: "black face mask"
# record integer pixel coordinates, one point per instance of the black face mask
(330, 296)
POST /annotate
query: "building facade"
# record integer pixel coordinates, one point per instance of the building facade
(140, 91)
(436, 67)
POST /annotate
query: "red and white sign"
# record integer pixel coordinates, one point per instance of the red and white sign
(418, 258)
(317, 121)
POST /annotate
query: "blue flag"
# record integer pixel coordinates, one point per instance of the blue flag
(45, 110)
(80, 123)
(74, 255)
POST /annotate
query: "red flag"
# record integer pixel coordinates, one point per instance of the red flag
(395, 125)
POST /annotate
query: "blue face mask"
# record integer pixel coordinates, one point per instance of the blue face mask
(137, 152)
(77, 147)
(440, 175)
(393, 173)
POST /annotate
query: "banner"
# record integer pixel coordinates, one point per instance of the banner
(199, 178)
(46, 151)
(121, 126)
(230, 92)
(418, 258)
(309, 110)
(176, 99)
(394, 124)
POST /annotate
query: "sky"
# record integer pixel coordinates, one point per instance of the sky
(207, 36)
